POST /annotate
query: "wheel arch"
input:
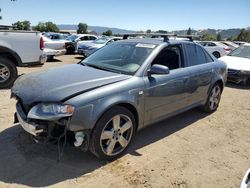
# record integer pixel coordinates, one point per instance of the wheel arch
(125, 104)
(10, 54)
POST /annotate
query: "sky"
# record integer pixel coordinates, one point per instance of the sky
(131, 14)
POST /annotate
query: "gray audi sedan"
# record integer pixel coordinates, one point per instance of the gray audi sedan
(103, 100)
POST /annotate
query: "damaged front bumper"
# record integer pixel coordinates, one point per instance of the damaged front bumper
(238, 76)
(45, 131)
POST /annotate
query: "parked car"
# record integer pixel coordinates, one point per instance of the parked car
(238, 62)
(216, 48)
(89, 48)
(56, 36)
(230, 44)
(239, 43)
(86, 39)
(118, 90)
(53, 48)
(74, 39)
(18, 48)
(246, 180)
(69, 45)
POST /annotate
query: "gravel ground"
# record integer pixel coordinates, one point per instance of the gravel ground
(192, 149)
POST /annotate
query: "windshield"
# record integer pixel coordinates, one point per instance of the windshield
(124, 58)
(72, 37)
(101, 41)
(242, 51)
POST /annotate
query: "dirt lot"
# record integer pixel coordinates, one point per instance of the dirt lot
(190, 150)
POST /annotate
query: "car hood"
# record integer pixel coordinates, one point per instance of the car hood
(236, 63)
(57, 84)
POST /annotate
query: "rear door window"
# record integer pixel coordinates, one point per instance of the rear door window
(196, 55)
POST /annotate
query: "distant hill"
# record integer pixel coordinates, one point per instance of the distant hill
(98, 29)
(225, 33)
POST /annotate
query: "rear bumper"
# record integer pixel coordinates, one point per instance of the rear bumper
(42, 58)
(51, 52)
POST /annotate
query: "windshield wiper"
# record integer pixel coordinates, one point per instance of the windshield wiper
(101, 68)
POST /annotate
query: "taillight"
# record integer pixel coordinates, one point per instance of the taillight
(227, 49)
(41, 43)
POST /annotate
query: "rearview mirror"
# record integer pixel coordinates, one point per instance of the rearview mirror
(158, 69)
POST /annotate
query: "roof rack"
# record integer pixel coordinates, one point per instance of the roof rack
(163, 35)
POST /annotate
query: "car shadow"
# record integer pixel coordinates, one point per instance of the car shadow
(81, 58)
(53, 60)
(237, 86)
(24, 162)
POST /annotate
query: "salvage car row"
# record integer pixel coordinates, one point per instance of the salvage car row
(19, 48)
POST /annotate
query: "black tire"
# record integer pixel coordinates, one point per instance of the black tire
(216, 54)
(8, 73)
(50, 58)
(97, 144)
(208, 107)
(70, 49)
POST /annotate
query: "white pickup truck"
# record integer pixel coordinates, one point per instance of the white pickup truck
(19, 48)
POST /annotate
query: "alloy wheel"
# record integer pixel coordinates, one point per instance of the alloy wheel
(116, 135)
(215, 97)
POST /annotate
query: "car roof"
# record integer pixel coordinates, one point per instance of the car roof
(156, 41)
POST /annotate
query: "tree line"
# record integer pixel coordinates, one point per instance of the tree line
(244, 35)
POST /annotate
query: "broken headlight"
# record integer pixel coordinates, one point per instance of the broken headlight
(50, 111)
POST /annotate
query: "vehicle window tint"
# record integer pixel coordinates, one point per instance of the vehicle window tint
(208, 57)
(170, 57)
(211, 44)
(85, 38)
(92, 38)
(201, 55)
(196, 55)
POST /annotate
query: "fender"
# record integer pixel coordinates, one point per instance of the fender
(12, 53)
(87, 116)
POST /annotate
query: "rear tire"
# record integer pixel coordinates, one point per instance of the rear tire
(213, 99)
(112, 133)
(8, 73)
(50, 58)
(216, 54)
(70, 49)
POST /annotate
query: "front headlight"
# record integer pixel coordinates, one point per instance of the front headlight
(50, 111)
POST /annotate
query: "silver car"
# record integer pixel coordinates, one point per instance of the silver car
(86, 49)
(118, 90)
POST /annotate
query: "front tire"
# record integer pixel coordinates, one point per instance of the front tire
(213, 99)
(8, 73)
(112, 133)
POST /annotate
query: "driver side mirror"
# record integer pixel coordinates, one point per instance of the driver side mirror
(158, 69)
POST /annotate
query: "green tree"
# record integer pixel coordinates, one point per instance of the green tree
(161, 31)
(148, 31)
(244, 35)
(24, 25)
(218, 37)
(46, 27)
(208, 37)
(82, 28)
(107, 33)
(189, 31)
